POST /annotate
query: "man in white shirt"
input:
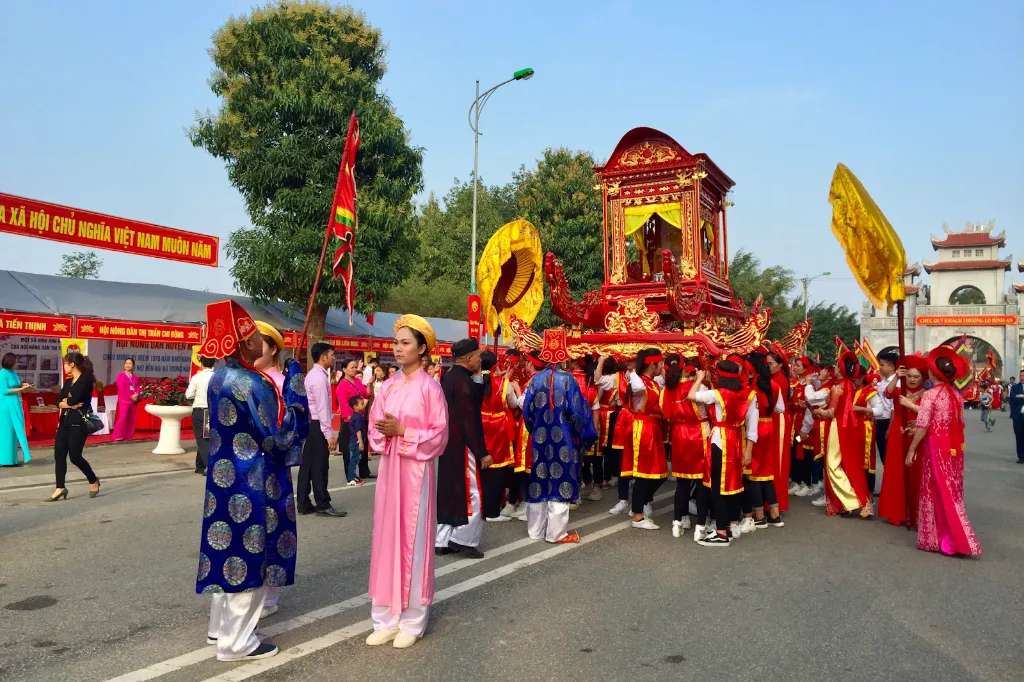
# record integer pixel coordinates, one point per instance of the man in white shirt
(371, 365)
(887, 368)
(197, 389)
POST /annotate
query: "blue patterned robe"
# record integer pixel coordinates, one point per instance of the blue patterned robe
(249, 534)
(559, 435)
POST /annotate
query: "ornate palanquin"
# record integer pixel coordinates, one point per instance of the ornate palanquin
(666, 271)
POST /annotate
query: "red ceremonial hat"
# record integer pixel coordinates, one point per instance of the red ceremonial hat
(807, 363)
(918, 362)
(776, 349)
(849, 357)
(227, 324)
(960, 365)
(554, 349)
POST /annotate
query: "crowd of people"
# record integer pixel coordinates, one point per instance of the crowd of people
(528, 436)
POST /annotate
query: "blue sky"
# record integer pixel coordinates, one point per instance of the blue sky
(923, 100)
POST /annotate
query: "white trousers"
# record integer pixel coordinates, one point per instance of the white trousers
(467, 535)
(273, 596)
(233, 619)
(413, 620)
(547, 520)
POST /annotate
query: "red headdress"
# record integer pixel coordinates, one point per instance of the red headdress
(960, 364)
(227, 325)
(918, 362)
(807, 363)
(856, 370)
(775, 348)
(554, 349)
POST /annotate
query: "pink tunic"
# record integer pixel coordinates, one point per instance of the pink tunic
(942, 523)
(127, 387)
(406, 465)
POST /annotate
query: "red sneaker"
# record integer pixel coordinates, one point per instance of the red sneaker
(572, 538)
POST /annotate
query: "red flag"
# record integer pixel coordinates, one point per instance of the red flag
(343, 215)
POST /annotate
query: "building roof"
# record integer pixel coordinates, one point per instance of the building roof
(954, 240)
(912, 269)
(1018, 287)
(953, 265)
(911, 289)
(25, 292)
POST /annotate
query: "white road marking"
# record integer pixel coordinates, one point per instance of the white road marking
(199, 655)
(244, 672)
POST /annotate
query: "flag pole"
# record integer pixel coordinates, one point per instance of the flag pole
(899, 328)
(300, 342)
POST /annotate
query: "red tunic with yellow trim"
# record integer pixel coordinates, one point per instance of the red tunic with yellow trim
(499, 423)
(782, 437)
(608, 406)
(732, 405)
(643, 454)
(762, 463)
(589, 391)
(865, 430)
(688, 431)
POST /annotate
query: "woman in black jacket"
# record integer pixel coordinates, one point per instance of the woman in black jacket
(75, 397)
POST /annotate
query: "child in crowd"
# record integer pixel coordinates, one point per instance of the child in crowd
(356, 439)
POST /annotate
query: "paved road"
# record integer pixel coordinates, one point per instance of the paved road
(96, 589)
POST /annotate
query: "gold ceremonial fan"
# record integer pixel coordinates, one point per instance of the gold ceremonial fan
(510, 275)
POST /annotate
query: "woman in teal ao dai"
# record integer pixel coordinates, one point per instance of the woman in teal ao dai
(12, 415)
(249, 533)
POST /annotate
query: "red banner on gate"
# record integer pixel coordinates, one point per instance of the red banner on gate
(473, 316)
(18, 324)
(139, 332)
(43, 220)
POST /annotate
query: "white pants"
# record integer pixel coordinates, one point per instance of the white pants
(547, 520)
(233, 619)
(467, 535)
(413, 620)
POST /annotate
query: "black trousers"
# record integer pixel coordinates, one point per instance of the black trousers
(592, 470)
(517, 486)
(681, 501)
(710, 501)
(643, 492)
(202, 444)
(1018, 434)
(758, 494)
(881, 437)
(313, 471)
(612, 457)
(69, 443)
(495, 482)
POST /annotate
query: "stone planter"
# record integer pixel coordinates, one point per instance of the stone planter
(170, 427)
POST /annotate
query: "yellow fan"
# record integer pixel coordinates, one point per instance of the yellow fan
(510, 275)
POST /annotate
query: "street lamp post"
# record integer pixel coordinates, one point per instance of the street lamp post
(806, 282)
(474, 123)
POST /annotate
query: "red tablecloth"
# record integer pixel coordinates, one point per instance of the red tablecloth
(41, 424)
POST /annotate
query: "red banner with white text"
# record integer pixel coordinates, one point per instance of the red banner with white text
(43, 220)
(140, 332)
(20, 324)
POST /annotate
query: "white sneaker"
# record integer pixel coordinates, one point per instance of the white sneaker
(351, 484)
(698, 533)
(818, 488)
(648, 510)
(520, 512)
(497, 519)
(508, 510)
(793, 487)
(646, 524)
(747, 525)
(595, 494)
(819, 501)
(677, 528)
(620, 507)
(686, 523)
(734, 530)
(802, 490)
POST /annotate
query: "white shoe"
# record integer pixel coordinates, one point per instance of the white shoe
(698, 533)
(352, 484)
(497, 519)
(819, 501)
(818, 488)
(802, 490)
(620, 507)
(509, 510)
(793, 487)
(646, 524)
(734, 530)
(379, 637)
(648, 510)
(686, 523)
(269, 611)
(404, 640)
(747, 525)
(595, 494)
(677, 528)
(520, 512)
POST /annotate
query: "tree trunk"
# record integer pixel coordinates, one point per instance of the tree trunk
(315, 332)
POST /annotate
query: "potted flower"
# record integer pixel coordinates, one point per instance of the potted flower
(169, 404)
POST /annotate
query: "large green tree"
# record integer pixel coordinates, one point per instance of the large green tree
(288, 76)
(559, 198)
(80, 265)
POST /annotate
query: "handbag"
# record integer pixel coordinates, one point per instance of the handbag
(91, 422)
